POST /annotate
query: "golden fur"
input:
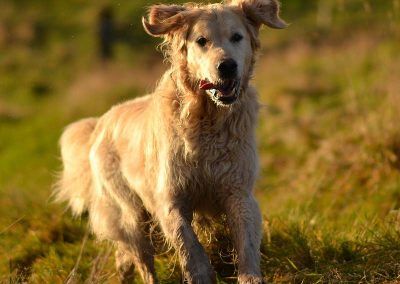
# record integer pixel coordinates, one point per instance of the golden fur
(178, 151)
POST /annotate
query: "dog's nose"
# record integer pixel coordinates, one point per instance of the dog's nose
(227, 68)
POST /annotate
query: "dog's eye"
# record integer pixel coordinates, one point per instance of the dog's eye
(236, 37)
(202, 41)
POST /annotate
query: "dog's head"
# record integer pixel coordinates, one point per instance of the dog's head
(214, 44)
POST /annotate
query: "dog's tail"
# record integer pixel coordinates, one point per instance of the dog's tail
(75, 182)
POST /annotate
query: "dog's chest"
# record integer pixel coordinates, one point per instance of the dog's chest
(223, 159)
(221, 165)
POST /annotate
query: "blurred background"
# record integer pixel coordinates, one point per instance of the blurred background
(329, 135)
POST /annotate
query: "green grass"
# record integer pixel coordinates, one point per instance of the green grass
(329, 140)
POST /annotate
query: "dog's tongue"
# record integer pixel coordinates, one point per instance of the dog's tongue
(224, 91)
(205, 85)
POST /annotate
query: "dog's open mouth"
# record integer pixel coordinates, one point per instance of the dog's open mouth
(225, 92)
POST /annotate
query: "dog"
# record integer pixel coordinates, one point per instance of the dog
(188, 148)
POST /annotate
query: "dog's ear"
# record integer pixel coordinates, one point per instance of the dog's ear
(163, 19)
(260, 12)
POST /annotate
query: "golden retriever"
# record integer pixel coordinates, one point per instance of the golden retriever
(187, 148)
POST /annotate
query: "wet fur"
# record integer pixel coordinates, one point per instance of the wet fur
(167, 156)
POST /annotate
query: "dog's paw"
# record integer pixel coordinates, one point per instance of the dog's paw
(250, 279)
(204, 276)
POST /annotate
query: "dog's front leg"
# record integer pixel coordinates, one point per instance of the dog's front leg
(194, 261)
(244, 221)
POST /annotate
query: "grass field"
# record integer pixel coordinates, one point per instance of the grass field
(329, 138)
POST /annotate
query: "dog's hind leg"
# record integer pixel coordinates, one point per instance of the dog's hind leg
(130, 233)
(124, 264)
(135, 250)
(130, 220)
